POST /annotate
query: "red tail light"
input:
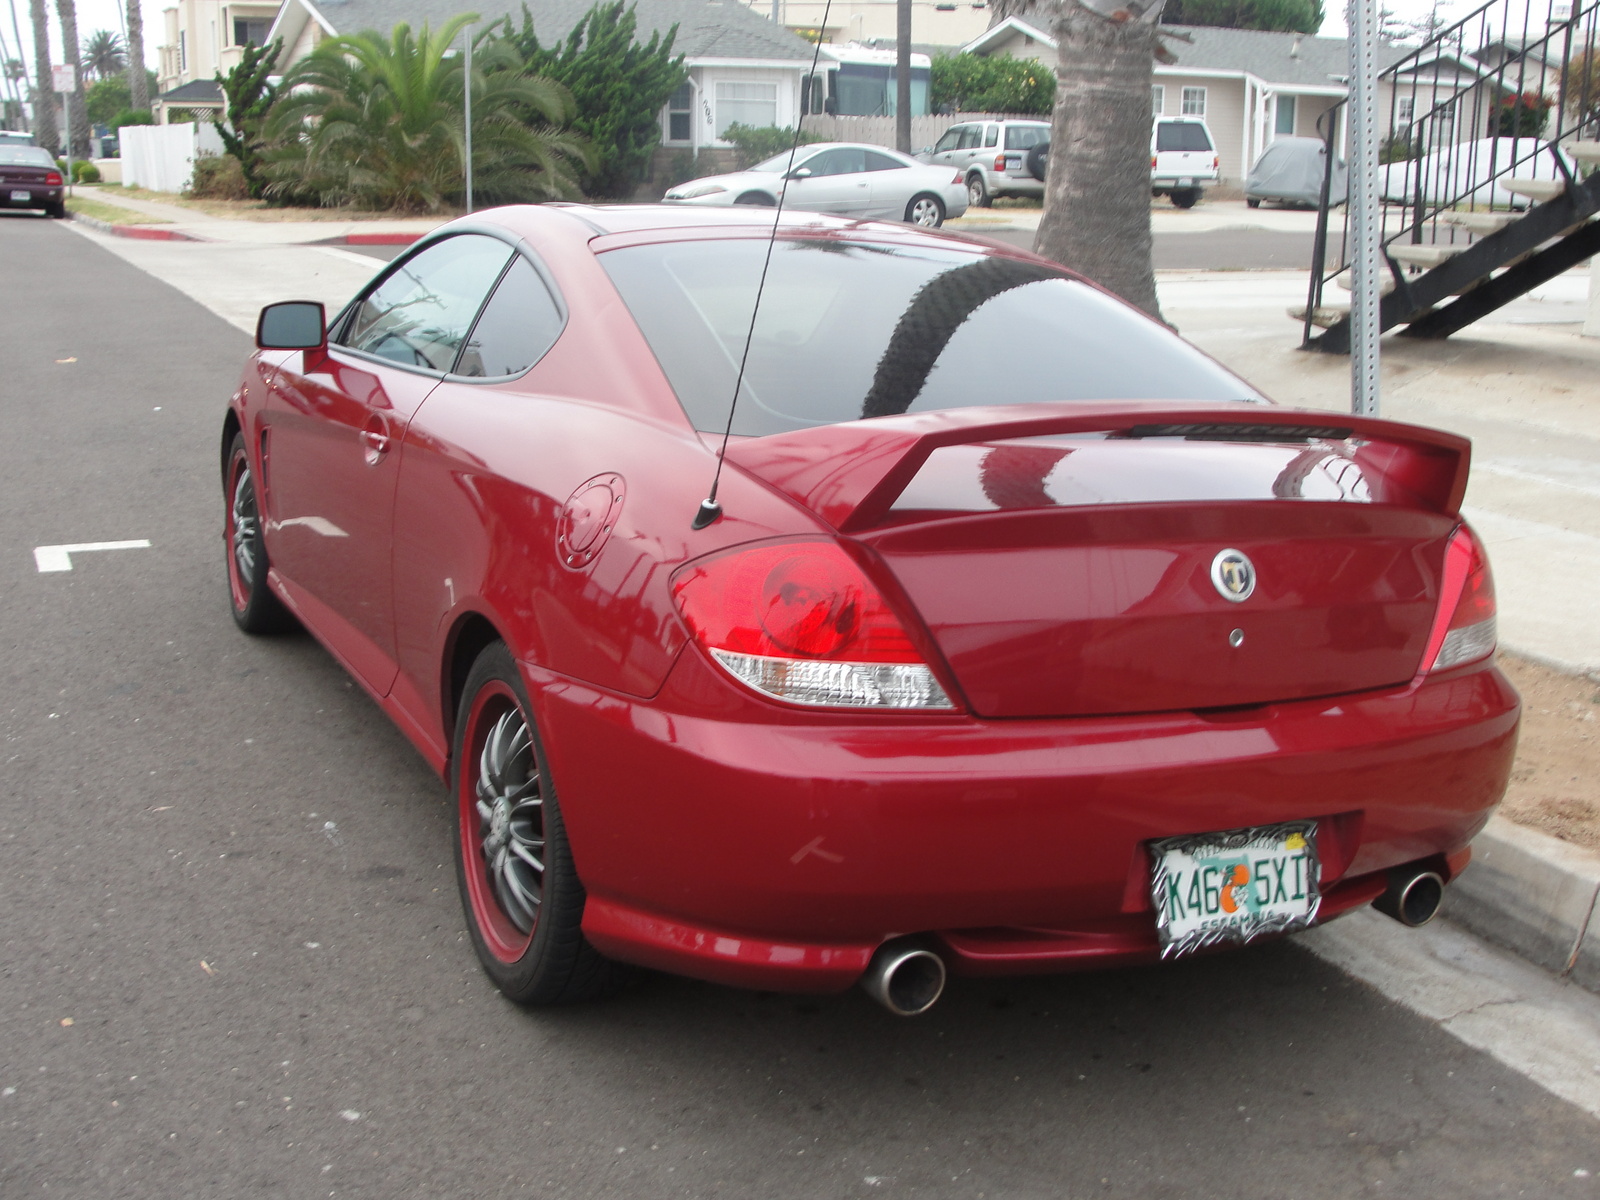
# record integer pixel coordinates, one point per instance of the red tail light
(52, 179)
(1152, 162)
(1216, 161)
(801, 622)
(1464, 629)
(959, 178)
(999, 162)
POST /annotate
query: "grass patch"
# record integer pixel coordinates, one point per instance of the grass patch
(260, 210)
(110, 213)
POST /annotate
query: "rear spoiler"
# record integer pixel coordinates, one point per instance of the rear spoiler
(850, 474)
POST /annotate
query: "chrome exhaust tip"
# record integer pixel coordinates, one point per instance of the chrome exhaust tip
(905, 978)
(1413, 897)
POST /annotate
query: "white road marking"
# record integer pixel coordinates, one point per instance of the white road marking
(59, 558)
(1540, 1027)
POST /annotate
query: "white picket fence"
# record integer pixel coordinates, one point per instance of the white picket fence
(161, 157)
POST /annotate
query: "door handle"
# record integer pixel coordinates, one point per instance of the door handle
(376, 444)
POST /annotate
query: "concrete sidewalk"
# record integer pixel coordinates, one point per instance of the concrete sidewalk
(207, 227)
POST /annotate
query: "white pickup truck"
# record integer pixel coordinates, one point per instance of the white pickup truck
(1183, 159)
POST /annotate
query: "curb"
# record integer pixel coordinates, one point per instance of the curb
(371, 239)
(148, 233)
(1535, 895)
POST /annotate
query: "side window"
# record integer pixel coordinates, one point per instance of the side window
(517, 326)
(834, 162)
(882, 162)
(991, 135)
(420, 313)
(970, 136)
(950, 140)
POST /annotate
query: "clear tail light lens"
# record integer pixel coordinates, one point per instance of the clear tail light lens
(1464, 629)
(801, 622)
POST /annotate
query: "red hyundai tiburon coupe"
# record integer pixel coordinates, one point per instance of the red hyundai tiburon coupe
(1020, 636)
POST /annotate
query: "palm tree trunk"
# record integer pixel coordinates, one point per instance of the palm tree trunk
(1097, 190)
(44, 99)
(78, 112)
(138, 81)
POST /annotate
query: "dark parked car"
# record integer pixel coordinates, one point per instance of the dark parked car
(29, 178)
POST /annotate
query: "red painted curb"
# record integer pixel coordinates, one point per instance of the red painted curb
(376, 239)
(146, 233)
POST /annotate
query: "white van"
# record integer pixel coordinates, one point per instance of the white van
(1183, 159)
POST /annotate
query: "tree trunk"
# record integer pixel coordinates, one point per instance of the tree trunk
(78, 118)
(1097, 189)
(138, 81)
(44, 98)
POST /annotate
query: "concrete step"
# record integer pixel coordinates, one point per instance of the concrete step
(1346, 280)
(1584, 152)
(1328, 315)
(1422, 255)
(1534, 189)
(1481, 223)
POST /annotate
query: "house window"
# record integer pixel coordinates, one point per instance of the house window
(1284, 123)
(753, 104)
(1405, 110)
(680, 108)
(183, 50)
(1158, 100)
(250, 33)
(1194, 102)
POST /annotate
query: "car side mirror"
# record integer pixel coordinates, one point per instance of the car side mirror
(294, 325)
(802, 173)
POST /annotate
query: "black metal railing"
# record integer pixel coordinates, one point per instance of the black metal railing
(1490, 96)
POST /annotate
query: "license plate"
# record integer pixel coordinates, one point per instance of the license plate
(1210, 888)
(1185, 183)
(21, 197)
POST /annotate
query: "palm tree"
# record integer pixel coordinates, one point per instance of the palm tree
(45, 130)
(378, 123)
(138, 83)
(103, 55)
(78, 113)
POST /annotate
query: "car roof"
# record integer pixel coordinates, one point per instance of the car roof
(634, 218)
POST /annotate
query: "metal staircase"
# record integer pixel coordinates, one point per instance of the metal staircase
(1492, 188)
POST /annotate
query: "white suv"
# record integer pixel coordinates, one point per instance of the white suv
(992, 156)
(1183, 159)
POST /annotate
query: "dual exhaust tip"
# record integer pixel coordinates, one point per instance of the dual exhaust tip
(907, 978)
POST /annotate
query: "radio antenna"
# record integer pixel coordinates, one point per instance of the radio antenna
(710, 510)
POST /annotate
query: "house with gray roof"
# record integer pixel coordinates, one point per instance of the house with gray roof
(1250, 85)
(742, 67)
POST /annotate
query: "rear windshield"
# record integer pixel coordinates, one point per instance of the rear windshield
(1180, 135)
(26, 156)
(1026, 137)
(849, 330)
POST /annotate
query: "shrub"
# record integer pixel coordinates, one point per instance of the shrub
(84, 171)
(1398, 147)
(754, 144)
(969, 83)
(133, 116)
(218, 177)
(1523, 115)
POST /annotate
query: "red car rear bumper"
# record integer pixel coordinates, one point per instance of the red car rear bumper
(730, 839)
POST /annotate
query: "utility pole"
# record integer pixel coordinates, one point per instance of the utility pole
(467, 105)
(902, 76)
(1365, 218)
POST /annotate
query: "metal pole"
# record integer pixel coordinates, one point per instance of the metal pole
(467, 85)
(1366, 229)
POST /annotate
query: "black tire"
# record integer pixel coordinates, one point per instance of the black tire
(925, 210)
(1185, 197)
(1253, 201)
(535, 953)
(759, 199)
(256, 609)
(58, 211)
(1039, 160)
(978, 192)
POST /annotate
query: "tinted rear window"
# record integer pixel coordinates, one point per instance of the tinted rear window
(26, 156)
(1180, 135)
(849, 330)
(1026, 137)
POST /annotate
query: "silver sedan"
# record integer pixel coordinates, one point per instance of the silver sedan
(845, 178)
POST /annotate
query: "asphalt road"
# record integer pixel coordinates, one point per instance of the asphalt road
(1211, 250)
(231, 961)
